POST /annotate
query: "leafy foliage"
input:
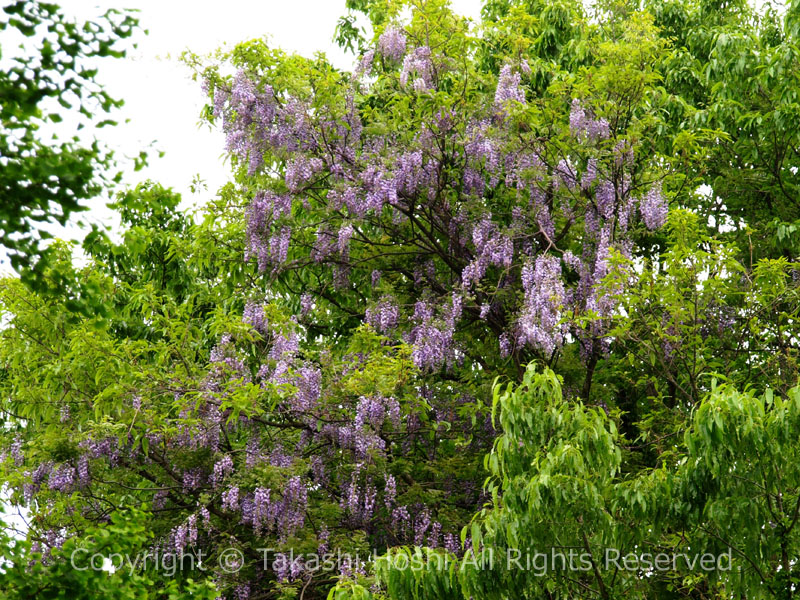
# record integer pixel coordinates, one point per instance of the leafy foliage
(565, 509)
(531, 247)
(78, 570)
(44, 180)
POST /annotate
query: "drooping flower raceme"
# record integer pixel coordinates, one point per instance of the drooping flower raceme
(392, 44)
(653, 207)
(539, 324)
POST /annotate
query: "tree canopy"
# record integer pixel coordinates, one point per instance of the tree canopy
(518, 286)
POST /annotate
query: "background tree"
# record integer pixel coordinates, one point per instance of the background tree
(728, 492)
(50, 80)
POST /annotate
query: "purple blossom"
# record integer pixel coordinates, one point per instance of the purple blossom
(83, 471)
(451, 544)
(179, 538)
(508, 88)
(590, 175)
(253, 452)
(266, 241)
(306, 304)
(223, 354)
(291, 513)
(384, 316)
(505, 345)
(392, 43)
(419, 62)
(323, 537)
(623, 153)
(281, 567)
(325, 245)
(284, 346)
(239, 110)
(222, 469)
(247, 510)
(577, 117)
(160, 499)
(365, 443)
(653, 208)
(279, 246)
(28, 492)
(491, 248)
(598, 129)
(565, 173)
(421, 524)
(400, 519)
(221, 97)
(365, 64)
(390, 491)
(605, 199)
(308, 383)
(368, 508)
(206, 517)
(409, 173)
(434, 536)
(370, 411)
(295, 568)
(392, 411)
(230, 499)
(279, 458)
(432, 344)
(41, 472)
(62, 478)
(16, 451)
(300, 171)
(571, 260)
(191, 529)
(345, 233)
(255, 317)
(192, 479)
(582, 125)
(263, 512)
(318, 470)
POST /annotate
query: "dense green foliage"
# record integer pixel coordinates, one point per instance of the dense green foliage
(561, 487)
(442, 313)
(77, 569)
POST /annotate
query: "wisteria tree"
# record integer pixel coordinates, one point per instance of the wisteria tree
(312, 367)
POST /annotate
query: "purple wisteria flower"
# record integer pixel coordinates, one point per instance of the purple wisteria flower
(254, 316)
(583, 125)
(230, 499)
(384, 316)
(508, 88)
(653, 207)
(418, 62)
(392, 43)
(538, 324)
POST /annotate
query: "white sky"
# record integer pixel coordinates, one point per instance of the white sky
(162, 103)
